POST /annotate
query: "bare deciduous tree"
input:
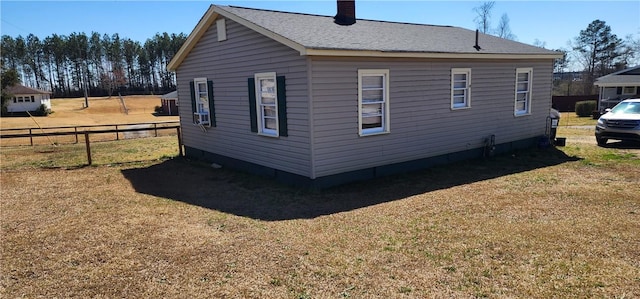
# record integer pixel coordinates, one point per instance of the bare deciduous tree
(503, 30)
(483, 18)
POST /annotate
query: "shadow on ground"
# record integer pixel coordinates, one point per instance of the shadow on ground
(251, 196)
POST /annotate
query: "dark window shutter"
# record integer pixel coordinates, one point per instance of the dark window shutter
(212, 109)
(252, 104)
(193, 100)
(282, 106)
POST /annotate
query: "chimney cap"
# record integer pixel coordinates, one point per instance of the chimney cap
(346, 14)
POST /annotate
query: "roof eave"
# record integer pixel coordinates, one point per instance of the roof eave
(193, 38)
(616, 84)
(447, 55)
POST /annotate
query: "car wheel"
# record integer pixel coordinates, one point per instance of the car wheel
(601, 141)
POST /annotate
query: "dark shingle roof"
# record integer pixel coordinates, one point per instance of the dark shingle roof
(320, 32)
(319, 35)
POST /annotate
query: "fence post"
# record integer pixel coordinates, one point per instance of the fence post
(179, 141)
(75, 129)
(30, 137)
(155, 128)
(86, 141)
(117, 135)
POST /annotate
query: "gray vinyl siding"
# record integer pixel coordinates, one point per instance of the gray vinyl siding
(422, 123)
(228, 64)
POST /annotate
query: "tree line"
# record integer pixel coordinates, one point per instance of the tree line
(100, 64)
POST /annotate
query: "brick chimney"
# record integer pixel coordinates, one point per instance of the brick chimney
(346, 12)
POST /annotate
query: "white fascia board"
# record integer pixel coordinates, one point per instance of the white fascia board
(270, 34)
(369, 53)
(193, 38)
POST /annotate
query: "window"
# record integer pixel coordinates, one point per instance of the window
(373, 102)
(202, 102)
(460, 88)
(267, 104)
(33, 100)
(629, 90)
(221, 26)
(523, 91)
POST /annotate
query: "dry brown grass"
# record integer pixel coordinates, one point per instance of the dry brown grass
(102, 110)
(539, 224)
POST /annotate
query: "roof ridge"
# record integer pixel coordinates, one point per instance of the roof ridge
(317, 15)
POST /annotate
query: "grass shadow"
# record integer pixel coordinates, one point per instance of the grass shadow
(260, 198)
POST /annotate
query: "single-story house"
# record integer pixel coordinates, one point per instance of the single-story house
(170, 103)
(319, 100)
(27, 99)
(615, 87)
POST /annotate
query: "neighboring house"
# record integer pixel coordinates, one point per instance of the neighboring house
(170, 103)
(27, 99)
(308, 101)
(618, 86)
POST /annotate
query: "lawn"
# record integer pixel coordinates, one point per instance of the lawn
(542, 223)
(101, 110)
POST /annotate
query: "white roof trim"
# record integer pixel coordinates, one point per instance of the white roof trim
(369, 53)
(207, 20)
(193, 38)
(272, 35)
(617, 84)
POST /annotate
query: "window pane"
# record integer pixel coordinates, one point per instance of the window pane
(521, 97)
(271, 123)
(459, 84)
(269, 110)
(371, 110)
(372, 81)
(460, 77)
(458, 100)
(268, 87)
(523, 86)
(523, 77)
(521, 106)
(372, 96)
(268, 100)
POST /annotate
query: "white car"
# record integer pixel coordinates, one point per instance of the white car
(621, 122)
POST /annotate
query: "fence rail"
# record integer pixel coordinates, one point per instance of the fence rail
(139, 127)
(125, 129)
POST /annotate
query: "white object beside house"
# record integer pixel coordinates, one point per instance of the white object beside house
(27, 99)
(317, 100)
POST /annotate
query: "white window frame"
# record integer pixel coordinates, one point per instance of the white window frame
(202, 115)
(384, 102)
(221, 27)
(528, 94)
(260, 106)
(466, 104)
